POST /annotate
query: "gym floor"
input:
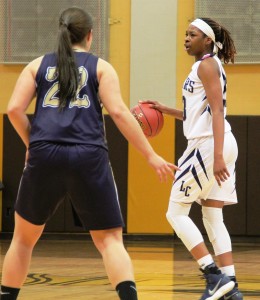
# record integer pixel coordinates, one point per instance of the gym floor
(71, 268)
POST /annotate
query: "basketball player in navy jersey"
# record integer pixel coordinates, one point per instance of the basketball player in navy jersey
(67, 152)
(207, 172)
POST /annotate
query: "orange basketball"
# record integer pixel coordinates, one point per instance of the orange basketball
(150, 119)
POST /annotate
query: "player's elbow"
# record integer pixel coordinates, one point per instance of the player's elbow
(13, 111)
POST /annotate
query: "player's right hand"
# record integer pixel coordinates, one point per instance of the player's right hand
(162, 167)
(155, 104)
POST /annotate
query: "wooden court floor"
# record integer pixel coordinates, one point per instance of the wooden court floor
(73, 269)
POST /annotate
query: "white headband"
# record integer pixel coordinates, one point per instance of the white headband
(204, 27)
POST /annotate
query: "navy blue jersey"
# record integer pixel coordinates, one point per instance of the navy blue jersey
(81, 121)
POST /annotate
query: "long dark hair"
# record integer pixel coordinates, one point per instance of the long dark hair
(222, 35)
(74, 25)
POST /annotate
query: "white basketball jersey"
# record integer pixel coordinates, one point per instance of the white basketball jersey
(197, 117)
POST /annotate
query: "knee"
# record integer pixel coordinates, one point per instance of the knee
(187, 231)
(216, 229)
(104, 239)
(22, 244)
(175, 221)
(177, 215)
(26, 241)
(26, 234)
(212, 219)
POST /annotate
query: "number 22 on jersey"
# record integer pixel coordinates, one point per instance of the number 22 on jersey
(51, 99)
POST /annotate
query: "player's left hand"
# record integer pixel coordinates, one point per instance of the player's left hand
(220, 170)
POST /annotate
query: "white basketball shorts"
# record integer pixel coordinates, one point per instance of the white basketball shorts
(196, 181)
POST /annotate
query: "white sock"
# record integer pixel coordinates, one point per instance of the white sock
(205, 261)
(228, 270)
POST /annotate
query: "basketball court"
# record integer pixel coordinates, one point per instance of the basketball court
(71, 268)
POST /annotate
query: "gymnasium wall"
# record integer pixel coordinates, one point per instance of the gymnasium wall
(144, 199)
(152, 76)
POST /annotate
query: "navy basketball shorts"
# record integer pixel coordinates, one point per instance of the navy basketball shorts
(80, 172)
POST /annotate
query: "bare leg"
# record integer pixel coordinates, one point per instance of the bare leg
(117, 262)
(225, 259)
(18, 256)
(199, 251)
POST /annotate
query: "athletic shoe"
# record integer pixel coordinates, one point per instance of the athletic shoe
(217, 284)
(234, 294)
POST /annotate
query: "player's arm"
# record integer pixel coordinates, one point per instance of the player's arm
(110, 95)
(176, 113)
(208, 72)
(21, 98)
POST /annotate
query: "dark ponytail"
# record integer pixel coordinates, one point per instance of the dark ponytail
(74, 25)
(222, 35)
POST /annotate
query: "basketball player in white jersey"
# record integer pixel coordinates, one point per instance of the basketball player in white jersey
(207, 172)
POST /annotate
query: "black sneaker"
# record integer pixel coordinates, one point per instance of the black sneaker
(217, 284)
